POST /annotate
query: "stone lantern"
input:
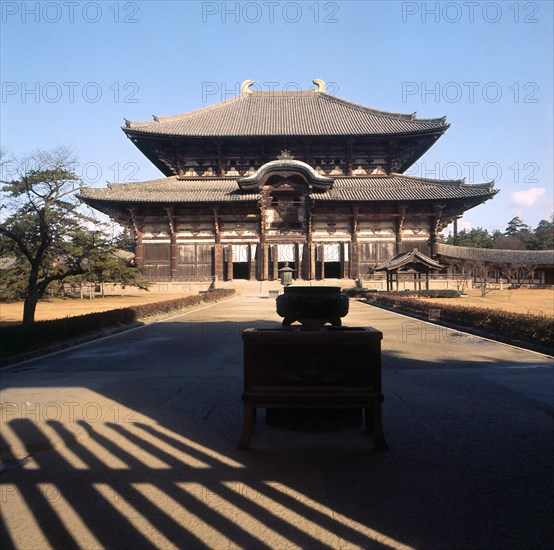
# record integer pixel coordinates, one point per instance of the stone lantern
(285, 275)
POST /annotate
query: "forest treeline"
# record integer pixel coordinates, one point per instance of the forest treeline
(517, 236)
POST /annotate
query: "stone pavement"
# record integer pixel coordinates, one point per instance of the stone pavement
(129, 442)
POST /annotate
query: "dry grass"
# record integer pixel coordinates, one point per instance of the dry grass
(521, 300)
(69, 307)
(518, 301)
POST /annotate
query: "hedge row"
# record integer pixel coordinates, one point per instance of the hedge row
(436, 293)
(538, 329)
(356, 292)
(16, 339)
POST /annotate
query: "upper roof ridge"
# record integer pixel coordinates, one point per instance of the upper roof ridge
(254, 95)
(129, 124)
(380, 112)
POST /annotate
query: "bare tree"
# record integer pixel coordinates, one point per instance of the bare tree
(459, 274)
(479, 269)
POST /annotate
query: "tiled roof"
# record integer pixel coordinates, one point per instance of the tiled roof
(171, 190)
(300, 113)
(496, 256)
(351, 189)
(406, 258)
(401, 188)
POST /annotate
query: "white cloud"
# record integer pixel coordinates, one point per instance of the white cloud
(527, 197)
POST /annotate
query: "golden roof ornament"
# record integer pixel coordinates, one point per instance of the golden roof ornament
(321, 86)
(245, 87)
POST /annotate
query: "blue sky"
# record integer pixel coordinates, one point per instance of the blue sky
(72, 71)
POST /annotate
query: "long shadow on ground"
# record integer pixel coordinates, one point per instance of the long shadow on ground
(147, 458)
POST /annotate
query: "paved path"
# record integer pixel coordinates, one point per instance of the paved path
(129, 442)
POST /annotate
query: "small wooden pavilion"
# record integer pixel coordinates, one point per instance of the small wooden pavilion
(414, 263)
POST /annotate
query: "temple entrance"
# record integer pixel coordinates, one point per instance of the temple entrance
(241, 270)
(331, 261)
(240, 262)
(331, 270)
(286, 253)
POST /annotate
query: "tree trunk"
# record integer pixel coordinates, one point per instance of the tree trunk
(33, 296)
(29, 308)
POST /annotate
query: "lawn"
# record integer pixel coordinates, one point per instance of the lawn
(69, 307)
(521, 300)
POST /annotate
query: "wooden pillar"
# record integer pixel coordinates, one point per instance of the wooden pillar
(322, 261)
(305, 261)
(345, 265)
(218, 261)
(252, 261)
(309, 257)
(399, 227)
(432, 235)
(275, 256)
(354, 264)
(218, 248)
(173, 243)
(397, 285)
(264, 261)
(435, 226)
(229, 262)
(298, 263)
(136, 226)
(455, 231)
(139, 249)
(398, 237)
(354, 250)
(263, 249)
(173, 257)
(427, 280)
(312, 260)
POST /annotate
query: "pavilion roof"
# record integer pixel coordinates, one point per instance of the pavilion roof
(405, 260)
(295, 113)
(392, 188)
